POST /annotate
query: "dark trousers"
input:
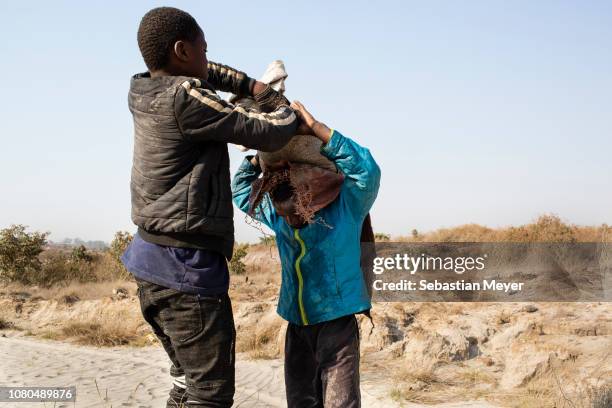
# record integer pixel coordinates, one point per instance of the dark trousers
(198, 334)
(322, 364)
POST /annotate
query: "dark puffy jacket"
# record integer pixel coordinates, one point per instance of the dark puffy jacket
(180, 183)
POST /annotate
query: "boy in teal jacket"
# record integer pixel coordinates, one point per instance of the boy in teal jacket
(322, 282)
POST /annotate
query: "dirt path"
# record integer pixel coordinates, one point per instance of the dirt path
(138, 377)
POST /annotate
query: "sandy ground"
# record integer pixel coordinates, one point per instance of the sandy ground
(138, 377)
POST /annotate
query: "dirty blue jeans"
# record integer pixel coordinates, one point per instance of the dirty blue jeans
(322, 364)
(199, 337)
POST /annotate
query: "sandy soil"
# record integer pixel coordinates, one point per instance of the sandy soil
(527, 355)
(138, 377)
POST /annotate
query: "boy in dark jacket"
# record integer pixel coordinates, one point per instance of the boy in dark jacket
(181, 198)
(323, 286)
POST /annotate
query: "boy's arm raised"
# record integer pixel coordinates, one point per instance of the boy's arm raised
(247, 173)
(227, 79)
(358, 166)
(354, 161)
(203, 116)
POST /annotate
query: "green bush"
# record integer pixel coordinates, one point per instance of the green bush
(379, 236)
(80, 254)
(58, 268)
(267, 240)
(19, 254)
(236, 265)
(118, 246)
(24, 259)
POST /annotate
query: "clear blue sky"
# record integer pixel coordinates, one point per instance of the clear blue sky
(480, 111)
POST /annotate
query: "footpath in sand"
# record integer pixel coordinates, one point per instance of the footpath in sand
(138, 377)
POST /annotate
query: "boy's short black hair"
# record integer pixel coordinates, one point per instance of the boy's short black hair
(159, 29)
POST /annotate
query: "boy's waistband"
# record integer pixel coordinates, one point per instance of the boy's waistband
(184, 240)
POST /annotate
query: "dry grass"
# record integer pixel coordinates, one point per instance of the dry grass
(546, 393)
(59, 268)
(260, 342)
(106, 268)
(601, 397)
(86, 291)
(5, 324)
(537, 394)
(87, 314)
(504, 317)
(473, 376)
(419, 385)
(436, 384)
(559, 387)
(569, 379)
(120, 329)
(591, 391)
(71, 289)
(547, 228)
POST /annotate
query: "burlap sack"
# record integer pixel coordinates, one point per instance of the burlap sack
(300, 149)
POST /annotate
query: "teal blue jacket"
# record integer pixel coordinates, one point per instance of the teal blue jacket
(321, 276)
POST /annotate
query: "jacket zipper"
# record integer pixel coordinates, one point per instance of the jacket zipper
(298, 270)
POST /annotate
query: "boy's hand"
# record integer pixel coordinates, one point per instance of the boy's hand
(303, 114)
(258, 87)
(317, 129)
(304, 128)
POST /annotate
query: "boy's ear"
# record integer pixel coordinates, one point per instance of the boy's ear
(180, 51)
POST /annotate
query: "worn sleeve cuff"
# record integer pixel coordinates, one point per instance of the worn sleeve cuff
(247, 166)
(247, 86)
(331, 148)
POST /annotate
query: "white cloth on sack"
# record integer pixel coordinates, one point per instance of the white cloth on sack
(275, 76)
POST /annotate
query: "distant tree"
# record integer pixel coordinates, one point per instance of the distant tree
(379, 236)
(96, 245)
(415, 233)
(19, 251)
(91, 245)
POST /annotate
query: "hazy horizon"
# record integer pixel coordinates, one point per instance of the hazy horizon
(486, 112)
(78, 240)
